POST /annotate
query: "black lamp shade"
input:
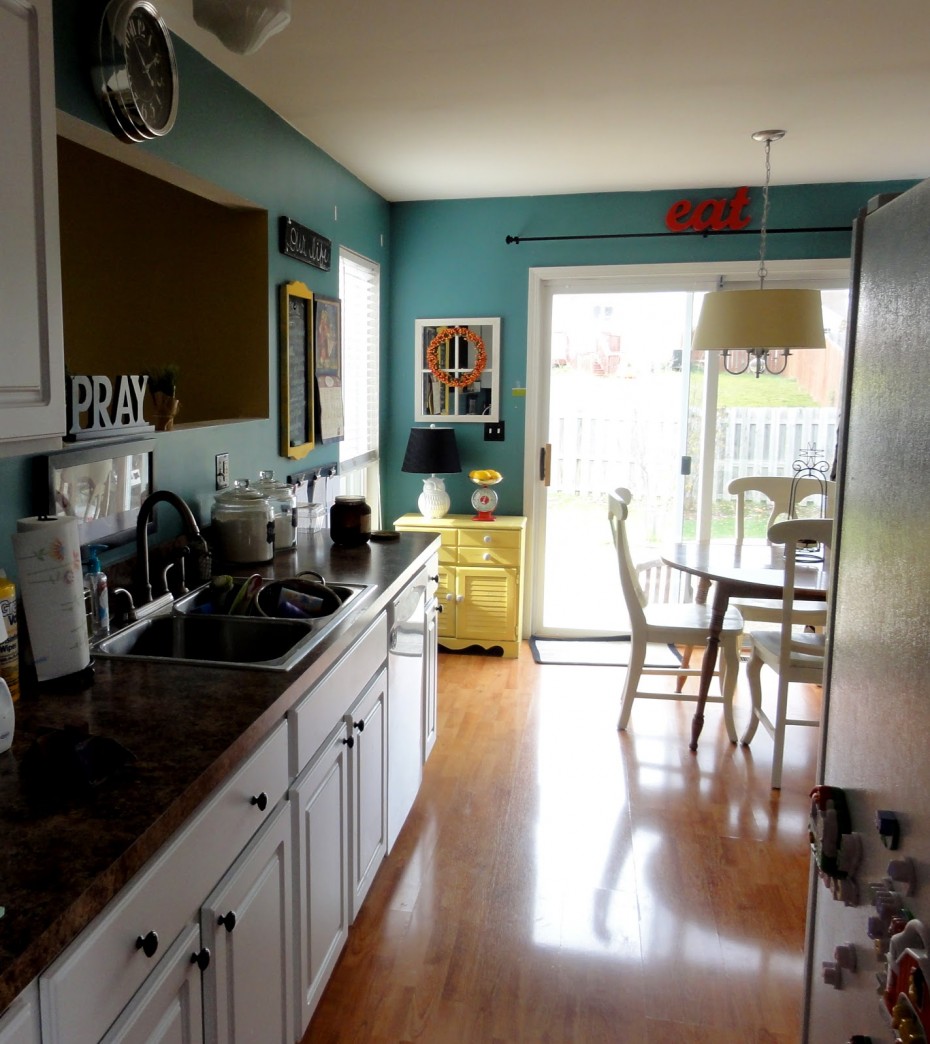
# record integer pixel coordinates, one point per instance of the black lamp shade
(432, 451)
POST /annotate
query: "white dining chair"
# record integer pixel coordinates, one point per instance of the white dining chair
(794, 656)
(777, 490)
(679, 624)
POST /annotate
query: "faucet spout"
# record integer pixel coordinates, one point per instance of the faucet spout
(195, 538)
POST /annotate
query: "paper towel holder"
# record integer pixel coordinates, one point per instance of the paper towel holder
(102, 486)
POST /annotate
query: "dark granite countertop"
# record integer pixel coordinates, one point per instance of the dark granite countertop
(66, 851)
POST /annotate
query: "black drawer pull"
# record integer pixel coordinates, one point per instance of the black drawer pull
(228, 921)
(148, 943)
(360, 725)
(261, 801)
(202, 959)
(350, 742)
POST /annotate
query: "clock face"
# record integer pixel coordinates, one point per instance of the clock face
(150, 68)
(136, 75)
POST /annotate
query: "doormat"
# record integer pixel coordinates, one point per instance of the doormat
(598, 652)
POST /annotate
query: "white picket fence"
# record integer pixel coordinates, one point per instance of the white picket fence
(593, 454)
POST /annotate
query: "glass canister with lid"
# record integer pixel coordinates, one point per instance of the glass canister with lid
(350, 521)
(244, 524)
(283, 499)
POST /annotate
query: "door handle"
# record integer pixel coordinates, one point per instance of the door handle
(545, 464)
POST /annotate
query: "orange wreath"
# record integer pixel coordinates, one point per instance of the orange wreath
(432, 360)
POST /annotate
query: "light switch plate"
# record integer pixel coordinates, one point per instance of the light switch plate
(222, 470)
(494, 432)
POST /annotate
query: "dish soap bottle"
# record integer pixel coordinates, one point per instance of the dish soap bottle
(9, 643)
(95, 581)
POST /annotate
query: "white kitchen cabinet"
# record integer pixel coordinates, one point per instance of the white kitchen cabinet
(320, 806)
(20, 1022)
(169, 1007)
(98, 978)
(32, 396)
(247, 925)
(339, 802)
(367, 726)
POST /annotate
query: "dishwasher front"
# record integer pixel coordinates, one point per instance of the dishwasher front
(406, 666)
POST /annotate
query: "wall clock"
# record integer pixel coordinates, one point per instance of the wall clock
(136, 75)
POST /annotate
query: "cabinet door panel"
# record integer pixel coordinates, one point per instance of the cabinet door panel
(368, 783)
(247, 989)
(488, 606)
(32, 399)
(320, 801)
(19, 1024)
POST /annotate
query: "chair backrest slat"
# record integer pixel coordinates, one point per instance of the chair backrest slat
(777, 488)
(618, 512)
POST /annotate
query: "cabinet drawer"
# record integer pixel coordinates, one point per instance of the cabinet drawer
(313, 718)
(489, 556)
(490, 537)
(91, 982)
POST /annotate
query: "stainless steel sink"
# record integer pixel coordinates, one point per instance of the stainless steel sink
(199, 600)
(184, 635)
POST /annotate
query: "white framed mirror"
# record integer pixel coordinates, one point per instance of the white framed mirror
(457, 370)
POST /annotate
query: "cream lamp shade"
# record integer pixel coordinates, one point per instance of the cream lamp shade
(753, 320)
(242, 25)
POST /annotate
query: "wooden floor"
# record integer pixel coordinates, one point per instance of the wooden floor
(560, 881)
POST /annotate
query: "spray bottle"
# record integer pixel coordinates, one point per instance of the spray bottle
(95, 581)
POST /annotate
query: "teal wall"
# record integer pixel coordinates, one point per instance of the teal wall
(437, 258)
(450, 258)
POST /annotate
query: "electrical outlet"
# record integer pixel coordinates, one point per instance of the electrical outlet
(494, 432)
(222, 470)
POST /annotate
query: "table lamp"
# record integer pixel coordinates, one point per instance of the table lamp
(431, 451)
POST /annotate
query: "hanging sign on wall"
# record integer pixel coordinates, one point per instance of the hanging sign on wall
(715, 215)
(305, 244)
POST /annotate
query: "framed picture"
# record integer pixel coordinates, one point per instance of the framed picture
(296, 366)
(457, 370)
(327, 340)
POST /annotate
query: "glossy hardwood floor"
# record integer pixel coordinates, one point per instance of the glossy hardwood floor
(560, 881)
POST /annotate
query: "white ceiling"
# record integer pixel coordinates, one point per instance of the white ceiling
(436, 99)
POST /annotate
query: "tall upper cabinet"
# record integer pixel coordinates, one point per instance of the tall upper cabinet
(32, 399)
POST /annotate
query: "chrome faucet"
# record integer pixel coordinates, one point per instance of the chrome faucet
(195, 540)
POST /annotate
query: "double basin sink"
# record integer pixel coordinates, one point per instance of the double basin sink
(189, 632)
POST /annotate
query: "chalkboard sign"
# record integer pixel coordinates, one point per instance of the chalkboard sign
(296, 365)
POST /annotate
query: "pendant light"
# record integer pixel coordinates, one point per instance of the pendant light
(242, 25)
(765, 324)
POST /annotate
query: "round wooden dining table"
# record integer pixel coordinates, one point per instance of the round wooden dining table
(747, 570)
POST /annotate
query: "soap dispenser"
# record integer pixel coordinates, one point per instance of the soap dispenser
(95, 581)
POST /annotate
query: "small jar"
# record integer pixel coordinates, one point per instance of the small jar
(283, 499)
(350, 521)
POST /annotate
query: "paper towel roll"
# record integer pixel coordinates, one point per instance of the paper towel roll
(48, 554)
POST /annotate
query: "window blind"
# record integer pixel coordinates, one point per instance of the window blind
(360, 291)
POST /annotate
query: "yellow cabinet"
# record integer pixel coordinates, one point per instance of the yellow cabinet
(480, 579)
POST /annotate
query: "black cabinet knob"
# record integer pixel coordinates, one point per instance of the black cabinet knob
(435, 579)
(350, 742)
(228, 921)
(360, 725)
(202, 959)
(148, 943)
(261, 801)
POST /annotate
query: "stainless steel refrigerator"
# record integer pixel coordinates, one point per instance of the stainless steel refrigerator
(876, 732)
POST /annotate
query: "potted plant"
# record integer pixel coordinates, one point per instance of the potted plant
(163, 386)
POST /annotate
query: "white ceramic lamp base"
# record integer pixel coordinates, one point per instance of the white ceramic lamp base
(434, 501)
